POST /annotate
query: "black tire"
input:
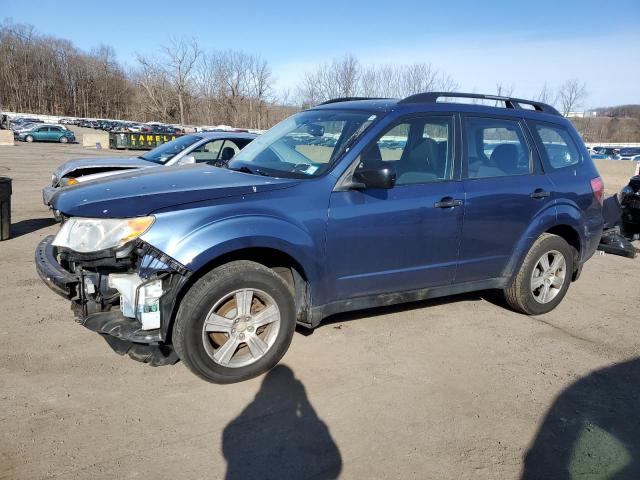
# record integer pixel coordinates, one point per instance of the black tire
(28, 138)
(188, 339)
(519, 294)
(63, 139)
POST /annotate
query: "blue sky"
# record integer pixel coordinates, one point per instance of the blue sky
(478, 43)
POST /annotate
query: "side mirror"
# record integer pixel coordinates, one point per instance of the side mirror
(382, 177)
(187, 159)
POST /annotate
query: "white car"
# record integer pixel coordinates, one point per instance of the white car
(210, 147)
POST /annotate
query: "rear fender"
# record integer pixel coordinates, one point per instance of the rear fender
(570, 214)
(565, 215)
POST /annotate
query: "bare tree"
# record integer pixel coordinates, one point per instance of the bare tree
(546, 95)
(331, 80)
(181, 56)
(154, 81)
(571, 95)
(504, 90)
(346, 77)
(44, 74)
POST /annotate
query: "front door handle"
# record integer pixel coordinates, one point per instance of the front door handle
(448, 202)
(540, 193)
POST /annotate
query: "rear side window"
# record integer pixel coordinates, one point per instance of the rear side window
(495, 148)
(560, 148)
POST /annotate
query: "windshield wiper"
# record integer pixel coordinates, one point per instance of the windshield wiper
(245, 169)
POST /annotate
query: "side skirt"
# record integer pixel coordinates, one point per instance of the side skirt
(318, 313)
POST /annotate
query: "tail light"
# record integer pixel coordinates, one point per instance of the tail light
(597, 186)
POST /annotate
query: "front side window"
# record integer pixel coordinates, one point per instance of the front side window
(208, 152)
(495, 148)
(419, 150)
(560, 148)
(165, 152)
(304, 145)
(230, 148)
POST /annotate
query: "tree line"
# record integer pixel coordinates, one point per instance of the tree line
(44, 74)
(182, 83)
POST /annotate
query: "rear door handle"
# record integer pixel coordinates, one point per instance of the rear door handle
(448, 202)
(540, 193)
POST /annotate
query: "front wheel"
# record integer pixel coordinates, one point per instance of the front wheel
(64, 139)
(28, 138)
(234, 323)
(544, 277)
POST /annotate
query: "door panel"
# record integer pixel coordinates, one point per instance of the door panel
(394, 240)
(41, 134)
(497, 213)
(505, 190)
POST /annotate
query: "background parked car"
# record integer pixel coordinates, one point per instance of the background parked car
(20, 122)
(22, 127)
(46, 133)
(629, 153)
(213, 148)
(608, 151)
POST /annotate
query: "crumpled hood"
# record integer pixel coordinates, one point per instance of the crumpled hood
(121, 162)
(140, 193)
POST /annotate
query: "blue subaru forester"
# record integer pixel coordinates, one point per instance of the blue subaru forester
(352, 204)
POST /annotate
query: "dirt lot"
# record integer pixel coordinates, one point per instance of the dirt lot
(456, 388)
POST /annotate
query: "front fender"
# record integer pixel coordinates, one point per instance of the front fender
(212, 240)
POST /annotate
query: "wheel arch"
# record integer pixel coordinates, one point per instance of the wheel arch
(566, 226)
(280, 261)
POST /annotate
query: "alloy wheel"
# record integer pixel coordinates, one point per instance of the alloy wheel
(548, 276)
(241, 328)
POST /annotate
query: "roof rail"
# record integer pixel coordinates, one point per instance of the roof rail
(509, 102)
(348, 99)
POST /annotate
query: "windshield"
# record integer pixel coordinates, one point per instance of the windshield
(304, 145)
(167, 151)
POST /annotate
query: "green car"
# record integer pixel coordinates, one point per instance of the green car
(46, 133)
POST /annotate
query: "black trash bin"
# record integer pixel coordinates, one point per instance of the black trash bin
(5, 208)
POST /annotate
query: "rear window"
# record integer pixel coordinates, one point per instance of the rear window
(560, 148)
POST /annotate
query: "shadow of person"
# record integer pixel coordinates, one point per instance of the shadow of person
(279, 436)
(592, 431)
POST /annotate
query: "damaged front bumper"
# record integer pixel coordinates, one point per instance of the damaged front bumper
(128, 296)
(47, 194)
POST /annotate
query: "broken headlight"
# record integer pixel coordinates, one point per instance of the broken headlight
(86, 235)
(67, 181)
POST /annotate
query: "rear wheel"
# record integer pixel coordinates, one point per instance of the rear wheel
(28, 138)
(235, 323)
(544, 277)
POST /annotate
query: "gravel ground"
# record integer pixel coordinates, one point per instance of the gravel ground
(455, 388)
